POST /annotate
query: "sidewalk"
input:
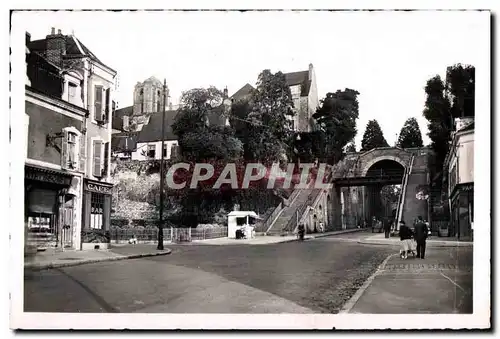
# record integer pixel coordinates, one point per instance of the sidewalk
(440, 283)
(267, 239)
(54, 259)
(379, 239)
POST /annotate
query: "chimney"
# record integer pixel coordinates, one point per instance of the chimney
(125, 123)
(225, 93)
(55, 48)
(28, 38)
(52, 31)
(310, 72)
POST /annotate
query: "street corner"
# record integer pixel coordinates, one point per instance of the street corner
(62, 259)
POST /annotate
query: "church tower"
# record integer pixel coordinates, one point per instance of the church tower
(148, 97)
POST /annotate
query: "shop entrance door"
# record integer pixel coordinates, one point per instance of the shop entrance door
(67, 222)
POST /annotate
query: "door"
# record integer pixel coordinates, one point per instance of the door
(67, 222)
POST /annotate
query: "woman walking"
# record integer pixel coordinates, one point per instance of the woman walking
(405, 235)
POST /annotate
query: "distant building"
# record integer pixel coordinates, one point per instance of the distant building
(69, 104)
(459, 166)
(137, 128)
(304, 95)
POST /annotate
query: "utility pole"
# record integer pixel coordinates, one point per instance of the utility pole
(162, 172)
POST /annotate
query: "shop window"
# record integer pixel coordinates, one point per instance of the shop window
(96, 210)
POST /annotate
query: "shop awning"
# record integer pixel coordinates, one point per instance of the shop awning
(49, 175)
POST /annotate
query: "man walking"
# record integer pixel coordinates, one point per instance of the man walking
(387, 228)
(421, 232)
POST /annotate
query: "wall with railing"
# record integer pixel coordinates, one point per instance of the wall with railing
(150, 235)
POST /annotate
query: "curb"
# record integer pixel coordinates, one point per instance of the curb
(428, 244)
(35, 267)
(323, 235)
(359, 293)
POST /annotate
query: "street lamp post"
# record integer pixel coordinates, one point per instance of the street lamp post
(162, 173)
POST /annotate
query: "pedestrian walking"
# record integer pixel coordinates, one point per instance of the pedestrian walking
(405, 235)
(421, 234)
(387, 228)
(374, 224)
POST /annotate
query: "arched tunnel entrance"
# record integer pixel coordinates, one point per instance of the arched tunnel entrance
(381, 198)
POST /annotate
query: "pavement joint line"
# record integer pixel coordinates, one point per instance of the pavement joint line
(35, 267)
(354, 299)
(451, 280)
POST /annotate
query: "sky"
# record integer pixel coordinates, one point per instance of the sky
(386, 56)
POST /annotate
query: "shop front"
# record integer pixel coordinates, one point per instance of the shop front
(462, 211)
(96, 213)
(49, 208)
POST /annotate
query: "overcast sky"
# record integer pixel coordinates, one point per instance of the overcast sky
(386, 56)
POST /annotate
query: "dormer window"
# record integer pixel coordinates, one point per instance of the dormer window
(72, 89)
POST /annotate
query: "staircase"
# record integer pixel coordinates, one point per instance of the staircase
(416, 176)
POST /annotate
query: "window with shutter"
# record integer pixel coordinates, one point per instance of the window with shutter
(82, 153)
(106, 159)
(64, 150)
(98, 114)
(72, 139)
(108, 104)
(97, 158)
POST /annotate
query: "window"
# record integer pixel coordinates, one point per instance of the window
(72, 150)
(98, 114)
(165, 148)
(108, 104)
(96, 210)
(141, 100)
(151, 151)
(295, 91)
(158, 103)
(174, 151)
(97, 158)
(72, 89)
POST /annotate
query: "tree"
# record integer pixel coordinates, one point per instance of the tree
(270, 106)
(336, 118)
(373, 137)
(410, 135)
(351, 147)
(460, 86)
(437, 112)
(445, 102)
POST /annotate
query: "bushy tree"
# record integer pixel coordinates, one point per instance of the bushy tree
(461, 87)
(336, 119)
(373, 137)
(410, 135)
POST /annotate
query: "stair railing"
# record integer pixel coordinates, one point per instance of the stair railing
(403, 192)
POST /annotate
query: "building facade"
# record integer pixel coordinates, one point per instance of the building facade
(138, 128)
(69, 106)
(304, 96)
(459, 166)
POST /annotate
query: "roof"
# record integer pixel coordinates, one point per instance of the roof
(469, 127)
(152, 131)
(72, 49)
(243, 214)
(292, 79)
(117, 122)
(243, 92)
(299, 78)
(121, 142)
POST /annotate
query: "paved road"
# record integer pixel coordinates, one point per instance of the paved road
(313, 276)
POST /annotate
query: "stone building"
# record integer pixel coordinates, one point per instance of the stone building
(304, 95)
(69, 105)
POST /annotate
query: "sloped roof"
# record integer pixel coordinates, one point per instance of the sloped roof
(117, 122)
(242, 92)
(469, 127)
(121, 142)
(292, 79)
(299, 78)
(152, 131)
(72, 49)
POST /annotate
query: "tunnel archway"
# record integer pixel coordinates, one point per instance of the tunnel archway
(374, 205)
